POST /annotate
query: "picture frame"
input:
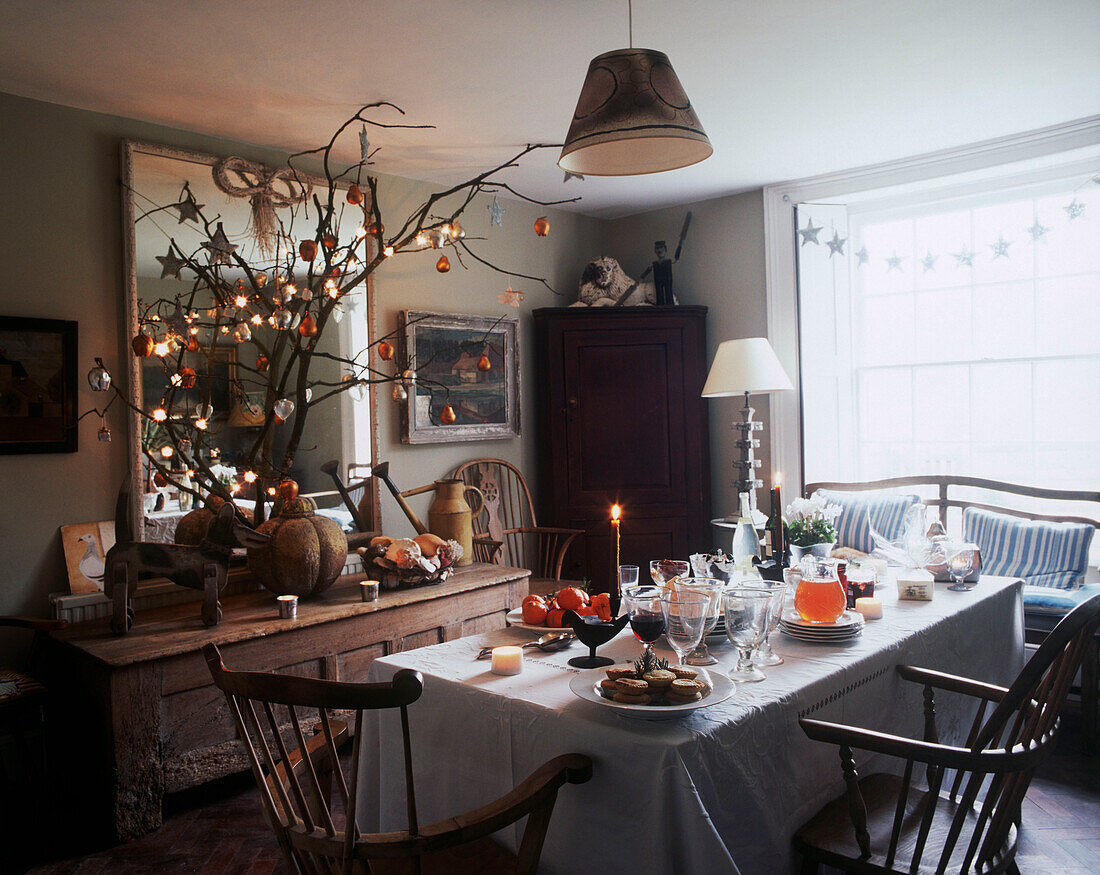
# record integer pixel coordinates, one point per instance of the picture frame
(444, 350)
(38, 361)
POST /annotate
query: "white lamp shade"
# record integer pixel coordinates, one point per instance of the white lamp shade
(746, 365)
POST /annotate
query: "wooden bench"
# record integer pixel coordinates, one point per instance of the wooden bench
(1038, 621)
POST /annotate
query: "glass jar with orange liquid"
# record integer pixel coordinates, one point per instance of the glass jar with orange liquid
(819, 597)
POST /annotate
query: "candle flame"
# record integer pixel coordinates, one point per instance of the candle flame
(616, 511)
(778, 478)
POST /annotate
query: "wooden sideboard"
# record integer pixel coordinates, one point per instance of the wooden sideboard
(137, 716)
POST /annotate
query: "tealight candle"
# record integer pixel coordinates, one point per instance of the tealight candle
(507, 660)
(871, 608)
(368, 589)
(288, 607)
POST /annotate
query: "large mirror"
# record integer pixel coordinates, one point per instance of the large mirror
(211, 383)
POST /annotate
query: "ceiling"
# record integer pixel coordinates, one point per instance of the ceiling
(785, 88)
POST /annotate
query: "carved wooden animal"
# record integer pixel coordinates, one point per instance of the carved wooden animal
(203, 567)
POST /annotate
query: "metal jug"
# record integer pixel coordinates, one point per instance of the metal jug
(450, 516)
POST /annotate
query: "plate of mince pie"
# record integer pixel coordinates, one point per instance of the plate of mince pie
(652, 690)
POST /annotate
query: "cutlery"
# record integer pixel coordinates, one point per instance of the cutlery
(548, 642)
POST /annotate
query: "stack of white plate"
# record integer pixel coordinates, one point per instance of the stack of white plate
(849, 626)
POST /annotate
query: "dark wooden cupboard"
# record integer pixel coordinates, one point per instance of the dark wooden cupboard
(621, 421)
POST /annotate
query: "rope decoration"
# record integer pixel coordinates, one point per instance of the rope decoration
(266, 188)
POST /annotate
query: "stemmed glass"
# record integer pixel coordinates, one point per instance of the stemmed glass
(665, 571)
(686, 615)
(778, 591)
(960, 562)
(712, 590)
(647, 620)
(747, 613)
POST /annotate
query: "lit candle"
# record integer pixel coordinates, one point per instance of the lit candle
(871, 608)
(507, 660)
(616, 512)
(369, 590)
(288, 607)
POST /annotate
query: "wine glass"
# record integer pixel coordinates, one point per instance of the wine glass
(686, 615)
(712, 589)
(960, 562)
(747, 612)
(647, 620)
(665, 571)
(778, 591)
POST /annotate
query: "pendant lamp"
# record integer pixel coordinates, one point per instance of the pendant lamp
(633, 117)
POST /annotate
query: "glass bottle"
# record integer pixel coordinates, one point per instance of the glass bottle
(746, 541)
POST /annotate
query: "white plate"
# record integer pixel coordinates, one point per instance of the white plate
(586, 685)
(515, 619)
(822, 639)
(848, 620)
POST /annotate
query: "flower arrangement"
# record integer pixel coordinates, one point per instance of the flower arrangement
(812, 521)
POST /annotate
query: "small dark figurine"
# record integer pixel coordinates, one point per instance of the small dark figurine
(204, 567)
(593, 633)
(662, 267)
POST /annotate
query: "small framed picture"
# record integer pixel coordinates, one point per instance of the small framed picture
(38, 360)
(465, 366)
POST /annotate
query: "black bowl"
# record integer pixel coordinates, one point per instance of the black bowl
(593, 632)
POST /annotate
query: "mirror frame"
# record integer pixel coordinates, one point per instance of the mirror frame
(128, 149)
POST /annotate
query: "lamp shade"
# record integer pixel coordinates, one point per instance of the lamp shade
(632, 117)
(746, 365)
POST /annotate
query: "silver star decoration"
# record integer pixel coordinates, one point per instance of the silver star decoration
(894, 261)
(219, 247)
(809, 233)
(836, 245)
(1000, 248)
(496, 213)
(929, 261)
(170, 265)
(177, 321)
(569, 176)
(963, 256)
(364, 145)
(1075, 209)
(864, 256)
(1038, 230)
(189, 209)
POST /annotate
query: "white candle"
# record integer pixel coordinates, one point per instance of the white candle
(871, 608)
(368, 589)
(507, 660)
(288, 607)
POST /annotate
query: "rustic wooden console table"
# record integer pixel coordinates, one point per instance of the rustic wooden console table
(139, 716)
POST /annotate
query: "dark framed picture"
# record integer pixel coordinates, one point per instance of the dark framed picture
(38, 360)
(468, 365)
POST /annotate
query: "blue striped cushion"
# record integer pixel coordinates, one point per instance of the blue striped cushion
(1042, 553)
(886, 513)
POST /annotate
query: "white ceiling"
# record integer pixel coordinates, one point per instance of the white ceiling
(784, 88)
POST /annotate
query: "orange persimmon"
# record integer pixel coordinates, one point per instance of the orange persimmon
(554, 618)
(572, 598)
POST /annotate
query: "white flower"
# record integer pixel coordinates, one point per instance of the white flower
(813, 508)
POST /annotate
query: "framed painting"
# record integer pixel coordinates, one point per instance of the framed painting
(465, 364)
(38, 360)
(85, 546)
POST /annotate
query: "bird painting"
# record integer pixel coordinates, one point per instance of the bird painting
(91, 563)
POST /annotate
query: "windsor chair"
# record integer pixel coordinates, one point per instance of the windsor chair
(318, 833)
(886, 823)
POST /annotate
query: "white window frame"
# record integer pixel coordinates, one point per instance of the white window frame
(785, 426)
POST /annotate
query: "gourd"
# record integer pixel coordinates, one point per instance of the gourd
(306, 552)
(191, 529)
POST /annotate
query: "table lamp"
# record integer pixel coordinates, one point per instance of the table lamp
(748, 365)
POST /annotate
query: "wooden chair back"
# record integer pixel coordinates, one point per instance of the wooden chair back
(507, 506)
(292, 746)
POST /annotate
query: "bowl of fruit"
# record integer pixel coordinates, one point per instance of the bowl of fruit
(542, 612)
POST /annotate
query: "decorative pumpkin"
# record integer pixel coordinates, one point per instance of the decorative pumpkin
(191, 530)
(306, 552)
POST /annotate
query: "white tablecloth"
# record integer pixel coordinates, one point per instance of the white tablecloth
(720, 791)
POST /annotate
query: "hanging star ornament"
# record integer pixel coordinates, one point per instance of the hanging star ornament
(569, 176)
(1000, 248)
(177, 321)
(1038, 230)
(170, 265)
(364, 145)
(219, 247)
(1075, 209)
(894, 261)
(836, 245)
(496, 213)
(929, 262)
(963, 256)
(511, 297)
(863, 256)
(189, 209)
(809, 233)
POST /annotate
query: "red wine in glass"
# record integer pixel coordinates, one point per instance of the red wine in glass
(647, 628)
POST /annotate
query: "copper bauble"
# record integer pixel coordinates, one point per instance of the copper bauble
(483, 363)
(308, 249)
(385, 350)
(376, 229)
(261, 363)
(187, 378)
(355, 194)
(143, 346)
(328, 241)
(447, 415)
(443, 265)
(542, 226)
(308, 328)
(287, 490)
(192, 343)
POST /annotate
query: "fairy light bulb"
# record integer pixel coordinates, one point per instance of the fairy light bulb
(175, 379)
(225, 329)
(166, 452)
(257, 319)
(388, 251)
(360, 232)
(249, 476)
(241, 301)
(235, 488)
(271, 491)
(162, 349)
(160, 414)
(201, 424)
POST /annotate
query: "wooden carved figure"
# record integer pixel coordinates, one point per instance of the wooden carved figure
(204, 567)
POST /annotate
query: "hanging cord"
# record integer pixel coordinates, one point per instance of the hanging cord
(630, 21)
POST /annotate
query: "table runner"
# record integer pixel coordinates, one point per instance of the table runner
(721, 790)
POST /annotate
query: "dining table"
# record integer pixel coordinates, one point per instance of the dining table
(718, 789)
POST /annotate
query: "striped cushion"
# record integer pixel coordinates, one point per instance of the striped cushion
(885, 513)
(1042, 553)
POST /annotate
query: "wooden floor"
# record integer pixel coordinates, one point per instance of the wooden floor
(219, 829)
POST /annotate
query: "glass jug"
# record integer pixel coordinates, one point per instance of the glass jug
(819, 597)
